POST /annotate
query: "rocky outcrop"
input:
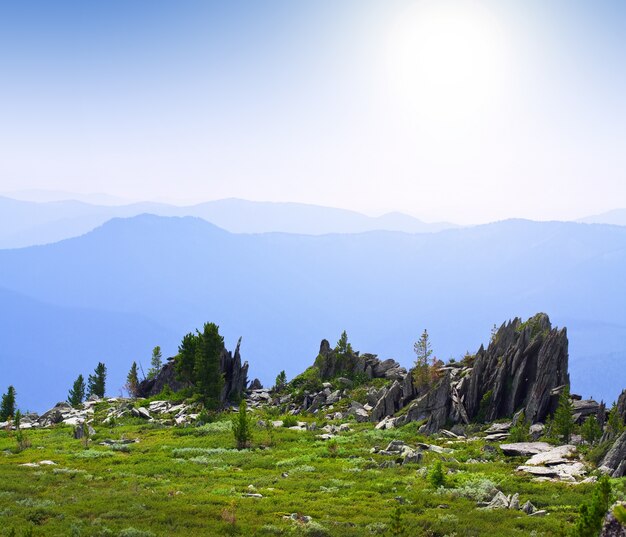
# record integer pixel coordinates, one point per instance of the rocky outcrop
(332, 363)
(614, 462)
(235, 377)
(524, 367)
(434, 407)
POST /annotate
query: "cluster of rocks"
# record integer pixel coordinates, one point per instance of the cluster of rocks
(61, 413)
(320, 402)
(332, 363)
(548, 462)
(502, 501)
(405, 454)
(165, 412)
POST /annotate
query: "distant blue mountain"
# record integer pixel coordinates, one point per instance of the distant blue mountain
(27, 223)
(616, 217)
(152, 279)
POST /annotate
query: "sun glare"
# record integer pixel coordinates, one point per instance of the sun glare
(446, 59)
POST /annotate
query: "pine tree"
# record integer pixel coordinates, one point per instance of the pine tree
(591, 430)
(7, 408)
(426, 370)
(563, 422)
(96, 382)
(155, 363)
(615, 423)
(207, 371)
(76, 395)
(242, 427)
(343, 347)
(186, 359)
(132, 380)
(281, 380)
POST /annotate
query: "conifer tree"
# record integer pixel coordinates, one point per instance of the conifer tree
(281, 380)
(207, 371)
(155, 362)
(76, 395)
(7, 408)
(591, 430)
(132, 380)
(563, 421)
(96, 382)
(242, 427)
(615, 423)
(186, 359)
(426, 370)
(343, 347)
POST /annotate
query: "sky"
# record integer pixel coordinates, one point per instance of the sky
(461, 110)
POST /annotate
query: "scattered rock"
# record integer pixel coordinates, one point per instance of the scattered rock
(524, 449)
(558, 455)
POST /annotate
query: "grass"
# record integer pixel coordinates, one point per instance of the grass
(174, 482)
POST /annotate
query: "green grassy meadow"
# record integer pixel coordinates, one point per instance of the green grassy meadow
(192, 481)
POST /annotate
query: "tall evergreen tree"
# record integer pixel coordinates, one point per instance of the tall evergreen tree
(155, 362)
(421, 369)
(96, 382)
(76, 395)
(207, 370)
(563, 421)
(281, 380)
(186, 359)
(343, 347)
(7, 408)
(132, 380)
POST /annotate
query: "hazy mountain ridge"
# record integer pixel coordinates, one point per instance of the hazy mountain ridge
(25, 223)
(616, 217)
(283, 292)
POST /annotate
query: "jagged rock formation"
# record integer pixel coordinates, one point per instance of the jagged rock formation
(332, 363)
(235, 377)
(614, 462)
(524, 367)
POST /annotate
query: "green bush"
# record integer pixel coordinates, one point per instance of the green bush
(289, 421)
(437, 476)
(520, 432)
(309, 380)
(591, 514)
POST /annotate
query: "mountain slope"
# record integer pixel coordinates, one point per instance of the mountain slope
(283, 292)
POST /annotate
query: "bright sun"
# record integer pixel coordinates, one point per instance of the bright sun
(446, 59)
